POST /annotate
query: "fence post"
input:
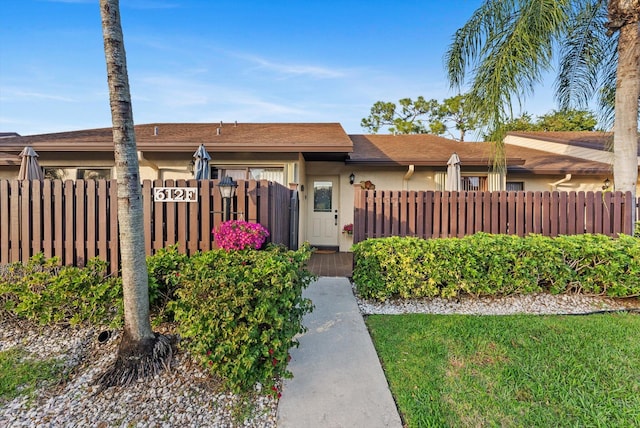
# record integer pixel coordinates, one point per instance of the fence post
(294, 216)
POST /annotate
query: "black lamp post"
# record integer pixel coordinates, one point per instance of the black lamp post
(227, 189)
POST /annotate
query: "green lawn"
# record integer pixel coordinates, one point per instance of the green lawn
(21, 375)
(512, 371)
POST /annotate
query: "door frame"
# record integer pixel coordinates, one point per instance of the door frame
(335, 197)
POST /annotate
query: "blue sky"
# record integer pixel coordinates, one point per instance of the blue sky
(207, 61)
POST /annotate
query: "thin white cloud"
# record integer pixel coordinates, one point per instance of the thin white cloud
(317, 72)
(69, 1)
(133, 4)
(151, 4)
(12, 94)
(167, 98)
(180, 93)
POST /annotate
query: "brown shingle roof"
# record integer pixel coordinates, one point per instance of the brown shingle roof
(418, 149)
(179, 137)
(431, 150)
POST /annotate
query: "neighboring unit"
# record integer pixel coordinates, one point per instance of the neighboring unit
(324, 162)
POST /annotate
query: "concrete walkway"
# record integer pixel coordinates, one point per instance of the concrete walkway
(338, 380)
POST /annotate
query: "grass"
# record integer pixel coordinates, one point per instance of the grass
(514, 371)
(20, 375)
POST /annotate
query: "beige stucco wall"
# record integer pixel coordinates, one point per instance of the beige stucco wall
(8, 173)
(384, 178)
(562, 183)
(298, 171)
(393, 178)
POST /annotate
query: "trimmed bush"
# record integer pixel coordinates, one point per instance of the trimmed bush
(238, 312)
(164, 269)
(44, 292)
(485, 264)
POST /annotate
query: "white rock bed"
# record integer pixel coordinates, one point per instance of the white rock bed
(183, 397)
(507, 305)
(186, 396)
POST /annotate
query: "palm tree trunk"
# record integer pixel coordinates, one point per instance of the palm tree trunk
(624, 16)
(141, 351)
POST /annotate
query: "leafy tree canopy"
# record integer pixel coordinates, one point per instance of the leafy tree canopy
(422, 116)
(555, 120)
(567, 120)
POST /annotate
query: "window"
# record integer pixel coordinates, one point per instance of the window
(271, 174)
(51, 173)
(255, 173)
(474, 183)
(322, 195)
(515, 186)
(94, 174)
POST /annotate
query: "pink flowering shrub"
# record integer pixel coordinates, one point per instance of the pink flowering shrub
(239, 235)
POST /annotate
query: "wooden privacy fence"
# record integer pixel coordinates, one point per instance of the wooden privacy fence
(77, 220)
(431, 214)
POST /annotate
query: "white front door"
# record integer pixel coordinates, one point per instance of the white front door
(323, 211)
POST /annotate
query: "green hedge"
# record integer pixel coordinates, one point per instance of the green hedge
(484, 264)
(44, 292)
(237, 311)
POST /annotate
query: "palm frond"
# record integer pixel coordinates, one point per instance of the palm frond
(583, 52)
(508, 44)
(607, 92)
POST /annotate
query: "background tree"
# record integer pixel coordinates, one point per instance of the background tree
(141, 352)
(403, 118)
(454, 112)
(422, 117)
(556, 120)
(567, 120)
(508, 44)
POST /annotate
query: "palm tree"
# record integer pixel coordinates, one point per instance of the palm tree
(507, 44)
(141, 351)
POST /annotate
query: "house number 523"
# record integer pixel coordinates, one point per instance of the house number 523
(175, 194)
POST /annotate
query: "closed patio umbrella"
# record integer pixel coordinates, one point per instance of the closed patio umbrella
(453, 182)
(201, 170)
(29, 167)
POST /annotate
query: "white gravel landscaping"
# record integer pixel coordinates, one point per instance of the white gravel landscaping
(186, 396)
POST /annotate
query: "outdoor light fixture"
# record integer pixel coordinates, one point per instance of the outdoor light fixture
(607, 183)
(227, 189)
(352, 178)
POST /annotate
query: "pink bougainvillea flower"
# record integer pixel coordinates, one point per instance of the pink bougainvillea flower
(239, 235)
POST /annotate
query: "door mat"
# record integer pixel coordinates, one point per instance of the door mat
(324, 251)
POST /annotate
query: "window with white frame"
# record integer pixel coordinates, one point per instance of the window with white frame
(474, 183)
(275, 174)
